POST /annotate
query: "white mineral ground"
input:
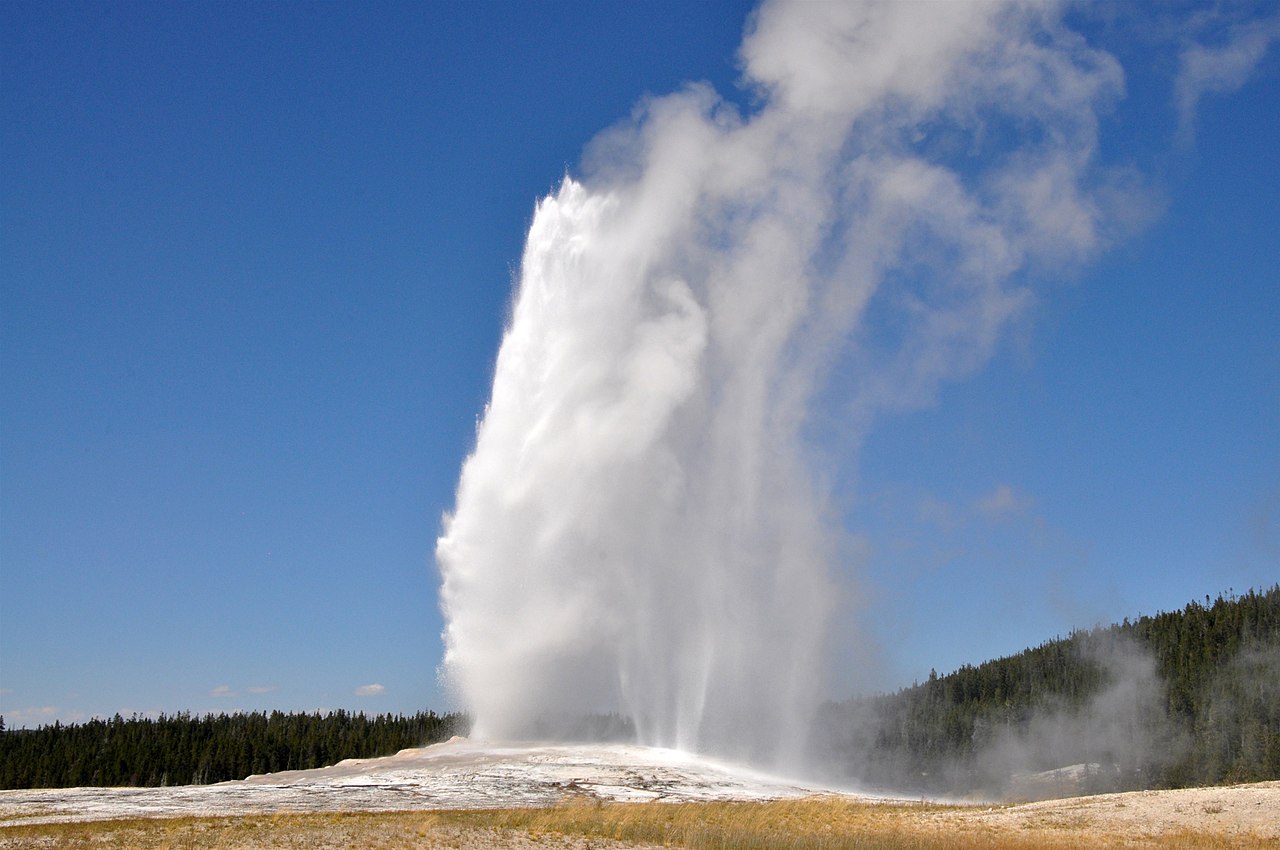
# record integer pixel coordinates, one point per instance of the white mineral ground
(462, 774)
(458, 774)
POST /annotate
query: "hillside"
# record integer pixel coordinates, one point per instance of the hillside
(1184, 698)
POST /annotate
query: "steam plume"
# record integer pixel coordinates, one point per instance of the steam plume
(641, 527)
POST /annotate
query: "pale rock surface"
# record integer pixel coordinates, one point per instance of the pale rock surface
(458, 774)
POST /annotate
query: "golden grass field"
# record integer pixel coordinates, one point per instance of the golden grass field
(1244, 817)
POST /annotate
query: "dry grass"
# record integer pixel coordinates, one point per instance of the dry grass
(810, 824)
(826, 824)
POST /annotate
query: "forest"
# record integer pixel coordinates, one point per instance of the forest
(184, 750)
(1177, 699)
(1190, 697)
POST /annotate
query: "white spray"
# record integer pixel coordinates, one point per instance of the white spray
(641, 527)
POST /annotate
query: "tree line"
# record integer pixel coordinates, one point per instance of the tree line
(1189, 697)
(1183, 698)
(182, 749)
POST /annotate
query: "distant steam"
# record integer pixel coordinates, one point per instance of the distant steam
(1082, 715)
(640, 528)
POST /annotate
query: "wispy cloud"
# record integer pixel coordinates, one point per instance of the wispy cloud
(34, 716)
(1003, 502)
(1220, 69)
(228, 692)
(370, 690)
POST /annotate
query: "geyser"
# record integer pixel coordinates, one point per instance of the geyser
(628, 533)
(642, 526)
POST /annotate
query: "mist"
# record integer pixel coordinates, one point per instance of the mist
(645, 526)
(1104, 743)
(1102, 727)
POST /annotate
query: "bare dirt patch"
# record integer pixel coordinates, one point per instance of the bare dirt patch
(1250, 813)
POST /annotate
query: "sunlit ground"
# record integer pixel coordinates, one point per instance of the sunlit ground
(1239, 817)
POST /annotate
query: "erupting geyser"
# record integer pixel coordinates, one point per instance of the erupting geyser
(640, 528)
(629, 534)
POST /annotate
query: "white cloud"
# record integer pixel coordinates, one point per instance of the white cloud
(1221, 69)
(228, 692)
(35, 716)
(370, 690)
(1003, 502)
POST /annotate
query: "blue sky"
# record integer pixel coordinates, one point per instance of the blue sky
(256, 265)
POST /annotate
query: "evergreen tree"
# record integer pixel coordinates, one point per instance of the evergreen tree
(182, 749)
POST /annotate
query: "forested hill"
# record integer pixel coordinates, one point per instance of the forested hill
(1190, 697)
(181, 749)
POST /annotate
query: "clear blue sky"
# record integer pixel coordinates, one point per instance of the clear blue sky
(255, 261)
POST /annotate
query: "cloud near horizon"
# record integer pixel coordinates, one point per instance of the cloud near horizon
(372, 690)
(36, 715)
(228, 692)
